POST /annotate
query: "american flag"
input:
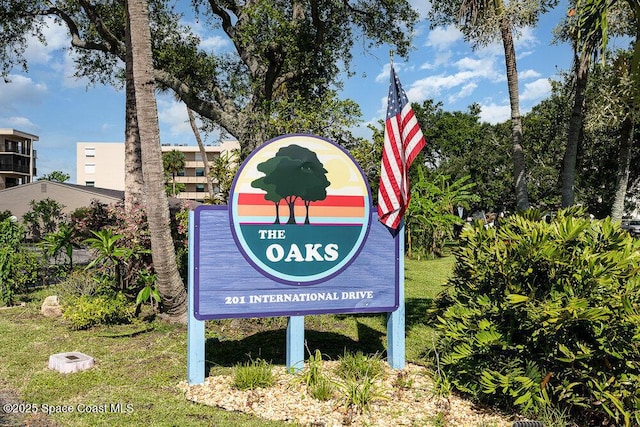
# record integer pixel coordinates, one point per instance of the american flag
(403, 140)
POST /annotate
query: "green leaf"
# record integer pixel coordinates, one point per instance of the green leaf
(525, 398)
(488, 337)
(143, 295)
(517, 299)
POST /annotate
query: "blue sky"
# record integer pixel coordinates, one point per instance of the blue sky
(61, 110)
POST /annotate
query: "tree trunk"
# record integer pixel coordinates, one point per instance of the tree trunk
(624, 163)
(169, 283)
(575, 130)
(133, 182)
(203, 151)
(519, 166)
(277, 221)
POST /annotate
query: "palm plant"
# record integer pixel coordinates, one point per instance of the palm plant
(430, 218)
(589, 25)
(109, 254)
(54, 243)
(173, 162)
(222, 173)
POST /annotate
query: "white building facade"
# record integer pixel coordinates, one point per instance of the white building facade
(101, 164)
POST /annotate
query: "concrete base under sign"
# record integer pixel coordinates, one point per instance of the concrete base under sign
(70, 362)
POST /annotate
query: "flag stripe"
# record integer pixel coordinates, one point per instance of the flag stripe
(403, 140)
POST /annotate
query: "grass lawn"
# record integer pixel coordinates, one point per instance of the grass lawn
(138, 366)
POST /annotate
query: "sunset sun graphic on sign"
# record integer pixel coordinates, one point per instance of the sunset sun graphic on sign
(300, 209)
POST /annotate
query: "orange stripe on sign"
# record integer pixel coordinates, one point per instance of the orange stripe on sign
(331, 200)
(300, 211)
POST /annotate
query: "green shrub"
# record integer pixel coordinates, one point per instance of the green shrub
(358, 366)
(86, 311)
(359, 382)
(19, 268)
(541, 313)
(79, 283)
(25, 270)
(318, 384)
(323, 389)
(360, 393)
(254, 374)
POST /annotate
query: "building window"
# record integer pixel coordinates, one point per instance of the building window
(90, 168)
(90, 183)
(199, 171)
(198, 157)
(89, 152)
(180, 173)
(199, 188)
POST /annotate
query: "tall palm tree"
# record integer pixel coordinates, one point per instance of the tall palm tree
(482, 22)
(203, 151)
(581, 65)
(169, 284)
(592, 28)
(133, 180)
(173, 162)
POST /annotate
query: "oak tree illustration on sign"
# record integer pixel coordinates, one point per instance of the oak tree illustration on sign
(294, 173)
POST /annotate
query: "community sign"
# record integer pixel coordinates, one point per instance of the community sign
(299, 236)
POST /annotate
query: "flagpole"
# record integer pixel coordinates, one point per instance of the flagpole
(403, 140)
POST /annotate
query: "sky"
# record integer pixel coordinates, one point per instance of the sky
(49, 102)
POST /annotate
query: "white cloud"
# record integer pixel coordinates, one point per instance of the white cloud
(526, 38)
(55, 55)
(482, 67)
(57, 38)
(67, 68)
(441, 58)
(214, 44)
(20, 89)
(494, 114)
(464, 91)
(470, 75)
(173, 116)
(536, 90)
(441, 38)
(22, 123)
(421, 6)
(208, 42)
(528, 74)
(383, 76)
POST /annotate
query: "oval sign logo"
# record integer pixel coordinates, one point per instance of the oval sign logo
(300, 209)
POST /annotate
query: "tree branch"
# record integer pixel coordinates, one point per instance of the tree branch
(117, 45)
(76, 40)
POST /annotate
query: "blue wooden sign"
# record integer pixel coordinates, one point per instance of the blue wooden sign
(298, 237)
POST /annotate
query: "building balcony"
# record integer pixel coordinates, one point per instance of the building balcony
(192, 195)
(190, 180)
(12, 167)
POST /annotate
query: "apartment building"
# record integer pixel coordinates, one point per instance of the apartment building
(101, 164)
(17, 158)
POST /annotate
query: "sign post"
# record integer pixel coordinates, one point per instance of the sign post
(396, 326)
(195, 327)
(295, 343)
